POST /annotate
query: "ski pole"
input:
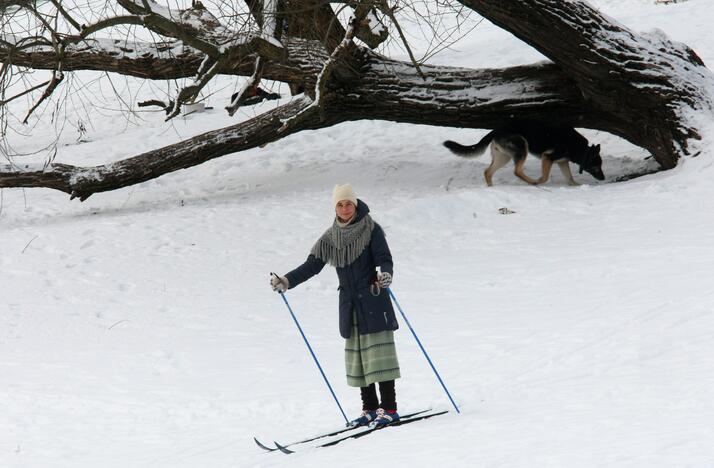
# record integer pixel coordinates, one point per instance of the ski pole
(391, 294)
(312, 353)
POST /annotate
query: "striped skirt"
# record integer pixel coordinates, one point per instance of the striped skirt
(370, 358)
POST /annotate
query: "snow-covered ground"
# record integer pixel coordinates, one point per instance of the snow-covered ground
(137, 329)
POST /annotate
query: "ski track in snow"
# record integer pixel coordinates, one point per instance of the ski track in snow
(138, 328)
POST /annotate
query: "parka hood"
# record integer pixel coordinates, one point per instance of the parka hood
(362, 210)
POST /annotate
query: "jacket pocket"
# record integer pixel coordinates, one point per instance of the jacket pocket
(377, 311)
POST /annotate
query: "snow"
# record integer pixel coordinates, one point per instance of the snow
(119, 48)
(137, 329)
(375, 25)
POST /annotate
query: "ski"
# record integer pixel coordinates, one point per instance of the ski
(329, 434)
(401, 422)
(366, 431)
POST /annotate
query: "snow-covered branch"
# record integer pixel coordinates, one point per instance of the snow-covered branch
(82, 182)
(248, 88)
(163, 60)
(198, 28)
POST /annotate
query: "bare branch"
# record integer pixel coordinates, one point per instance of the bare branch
(27, 91)
(384, 7)
(87, 30)
(30, 6)
(66, 15)
(155, 102)
(57, 78)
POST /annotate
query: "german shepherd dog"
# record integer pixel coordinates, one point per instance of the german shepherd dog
(560, 144)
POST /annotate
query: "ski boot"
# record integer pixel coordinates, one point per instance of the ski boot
(384, 418)
(364, 420)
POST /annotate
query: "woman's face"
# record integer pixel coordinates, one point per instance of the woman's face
(345, 209)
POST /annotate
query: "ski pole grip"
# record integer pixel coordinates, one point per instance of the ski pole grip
(275, 275)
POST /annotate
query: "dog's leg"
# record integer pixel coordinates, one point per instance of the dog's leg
(518, 147)
(522, 175)
(565, 169)
(499, 158)
(546, 165)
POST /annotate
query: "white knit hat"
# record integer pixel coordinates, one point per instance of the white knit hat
(343, 192)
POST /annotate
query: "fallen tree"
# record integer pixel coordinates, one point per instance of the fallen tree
(600, 75)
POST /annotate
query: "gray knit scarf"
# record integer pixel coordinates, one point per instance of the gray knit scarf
(341, 245)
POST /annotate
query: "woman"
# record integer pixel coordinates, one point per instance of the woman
(355, 245)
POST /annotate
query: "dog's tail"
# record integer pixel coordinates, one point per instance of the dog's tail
(470, 151)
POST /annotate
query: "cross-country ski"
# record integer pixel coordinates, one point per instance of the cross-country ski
(329, 434)
(367, 430)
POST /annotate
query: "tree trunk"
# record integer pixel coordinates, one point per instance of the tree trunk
(640, 84)
(461, 97)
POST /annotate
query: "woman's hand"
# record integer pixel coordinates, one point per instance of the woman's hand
(384, 279)
(279, 283)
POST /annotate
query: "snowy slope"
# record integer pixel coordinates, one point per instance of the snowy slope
(137, 328)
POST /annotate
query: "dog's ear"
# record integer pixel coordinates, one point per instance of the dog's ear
(597, 148)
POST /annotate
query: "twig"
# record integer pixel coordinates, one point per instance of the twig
(41, 18)
(27, 91)
(66, 15)
(89, 29)
(117, 323)
(155, 102)
(28, 244)
(57, 78)
(390, 13)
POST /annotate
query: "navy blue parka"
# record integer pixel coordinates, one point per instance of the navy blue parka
(374, 313)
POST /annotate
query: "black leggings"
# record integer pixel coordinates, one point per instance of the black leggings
(386, 391)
